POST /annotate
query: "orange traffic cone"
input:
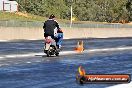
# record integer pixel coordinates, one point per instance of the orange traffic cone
(79, 48)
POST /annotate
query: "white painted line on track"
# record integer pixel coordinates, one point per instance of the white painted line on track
(129, 85)
(3, 40)
(1, 58)
(109, 49)
(18, 55)
(65, 52)
(28, 62)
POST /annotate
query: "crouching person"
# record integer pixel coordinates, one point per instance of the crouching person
(59, 38)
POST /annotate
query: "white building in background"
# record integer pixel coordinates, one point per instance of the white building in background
(8, 6)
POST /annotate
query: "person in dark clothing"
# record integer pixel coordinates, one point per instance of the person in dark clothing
(49, 26)
(49, 30)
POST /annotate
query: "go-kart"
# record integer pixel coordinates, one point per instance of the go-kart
(50, 47)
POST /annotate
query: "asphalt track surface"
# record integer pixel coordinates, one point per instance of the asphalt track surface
(114, 56)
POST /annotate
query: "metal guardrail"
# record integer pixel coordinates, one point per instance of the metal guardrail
(102, 25)
(14, 23)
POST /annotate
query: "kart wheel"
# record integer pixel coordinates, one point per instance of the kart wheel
(48, 54)
(57, 54)
(45, 51)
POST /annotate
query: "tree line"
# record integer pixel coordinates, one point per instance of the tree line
(83, 10)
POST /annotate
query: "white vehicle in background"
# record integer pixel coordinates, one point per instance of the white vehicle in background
(8, 6)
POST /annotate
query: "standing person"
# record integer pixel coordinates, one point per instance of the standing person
(49, 26)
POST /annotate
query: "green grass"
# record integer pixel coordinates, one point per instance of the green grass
(8, 19)
(13, 16)
(31, 17)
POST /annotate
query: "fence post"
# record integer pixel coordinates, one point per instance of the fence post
(26, 23)
(3, 6)
(6, 23)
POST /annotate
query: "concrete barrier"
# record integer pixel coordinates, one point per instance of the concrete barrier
(97, 32)
(17, 33)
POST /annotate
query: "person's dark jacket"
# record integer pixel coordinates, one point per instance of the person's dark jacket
(49, 27)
